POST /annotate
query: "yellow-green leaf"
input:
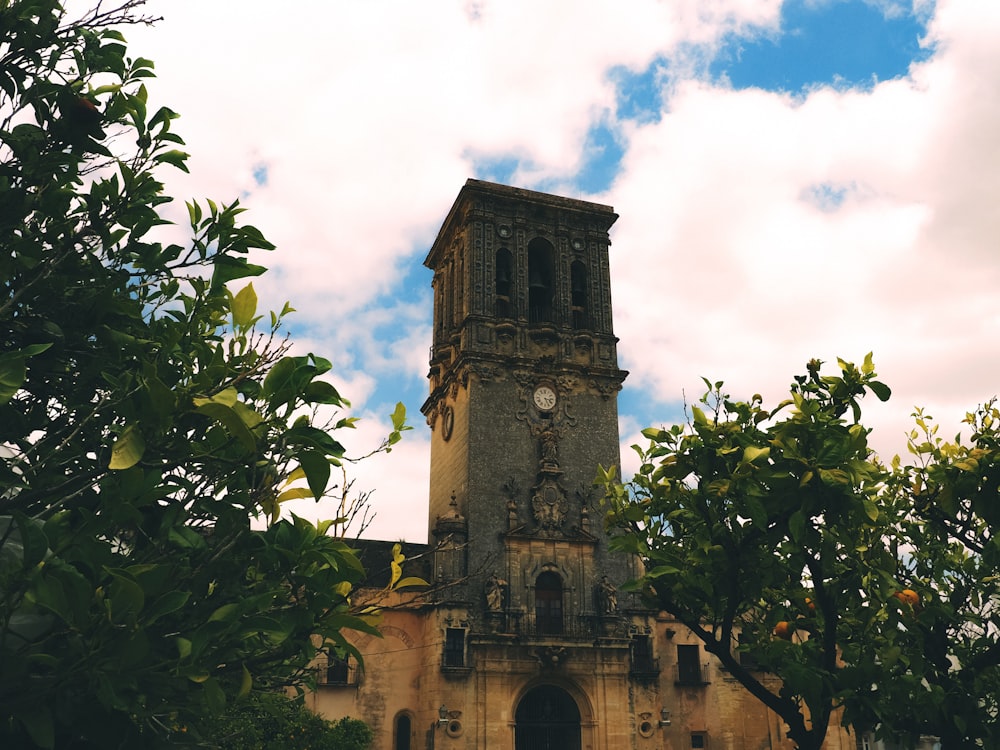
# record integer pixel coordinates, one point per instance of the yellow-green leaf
(295, 493)
(246, 682)
(231, 420)
(128, 449)
(244, 307)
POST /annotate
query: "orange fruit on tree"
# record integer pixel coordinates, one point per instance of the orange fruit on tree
(784, 630)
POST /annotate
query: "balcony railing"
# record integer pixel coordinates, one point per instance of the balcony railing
(691, 674)
(579, 627)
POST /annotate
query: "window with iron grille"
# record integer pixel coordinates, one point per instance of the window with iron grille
(642, 654)
(454, 647)
(339, 671)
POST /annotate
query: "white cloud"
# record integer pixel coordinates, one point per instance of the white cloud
(757, 230)
(724, 270)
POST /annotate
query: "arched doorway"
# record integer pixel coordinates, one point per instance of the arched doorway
(547, 718)
(403, 732)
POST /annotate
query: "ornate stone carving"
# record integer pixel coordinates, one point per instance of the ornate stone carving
(606, 388)
(550, 657)
(549, 506)
(567, 383)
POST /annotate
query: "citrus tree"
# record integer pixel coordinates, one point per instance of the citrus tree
(148, 412)
(790, 550)
(939, 658)
(760, 531)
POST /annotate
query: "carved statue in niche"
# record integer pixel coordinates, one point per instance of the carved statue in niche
(496, 593)
(511, 490)
(549, 440)
(605, 597)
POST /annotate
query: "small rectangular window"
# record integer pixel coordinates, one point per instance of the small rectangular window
(454, 647)
(699, 740)
(642, 654)
(688, 664)
(338, 671)
(748, 657)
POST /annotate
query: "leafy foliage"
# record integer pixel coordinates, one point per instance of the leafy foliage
(272, 721)
(147, 413)
(776, 534)
(941, 655)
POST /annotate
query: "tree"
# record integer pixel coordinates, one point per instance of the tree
(147, 413)
(939, 654)
(760, 532)
(867, 588)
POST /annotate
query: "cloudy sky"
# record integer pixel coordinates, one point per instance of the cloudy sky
(797, 179)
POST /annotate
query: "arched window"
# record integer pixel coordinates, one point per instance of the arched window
(540, 281)
(404, 728)
(549, 603)
(578, 288)
(504, 284)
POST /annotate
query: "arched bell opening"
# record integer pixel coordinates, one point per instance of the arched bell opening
(504, 283)
(578, 295)
(541, 276)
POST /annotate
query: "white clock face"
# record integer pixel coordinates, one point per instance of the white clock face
(544, 398)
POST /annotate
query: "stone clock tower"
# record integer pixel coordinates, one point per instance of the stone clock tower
(523, 640)
(524, 380)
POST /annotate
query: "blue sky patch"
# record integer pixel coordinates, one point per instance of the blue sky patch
(603, 153)
(845, 43)
(260, 174)
(639, 94)
(826, 196)
(498, 169)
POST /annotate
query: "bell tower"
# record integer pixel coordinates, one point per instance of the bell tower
(524, 380)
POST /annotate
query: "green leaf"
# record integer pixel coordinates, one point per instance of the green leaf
(752, 453)
(317, 469)
(399, 417)
(125, 598)
(224, 613)
(871, 510)
(174, 157)
(246, 683)
(128, 449)
(228, 269)
(869, 366)
(321, 392)
(34, 544)
(13, 369)
(231, 420)
(295, 493)
(797, 525)
(881, 390)
(164, 605)
(244, 307)
(38, 721)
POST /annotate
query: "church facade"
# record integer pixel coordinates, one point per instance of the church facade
(522, 640)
